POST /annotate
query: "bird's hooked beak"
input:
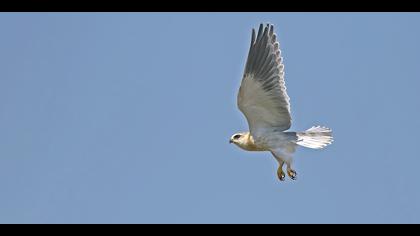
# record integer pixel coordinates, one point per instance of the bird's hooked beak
(230, 141)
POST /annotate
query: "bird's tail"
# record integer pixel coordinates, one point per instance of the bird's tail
(316, 137)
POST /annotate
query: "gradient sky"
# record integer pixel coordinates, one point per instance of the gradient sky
(126, 117)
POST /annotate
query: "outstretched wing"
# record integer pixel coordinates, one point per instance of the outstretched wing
(262, 97)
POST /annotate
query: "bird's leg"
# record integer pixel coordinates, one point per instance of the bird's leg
(280, 172)
(290, 172)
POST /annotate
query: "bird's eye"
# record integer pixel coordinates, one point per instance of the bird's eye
(236, 136)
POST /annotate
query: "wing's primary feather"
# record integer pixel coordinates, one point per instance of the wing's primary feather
(262, 96)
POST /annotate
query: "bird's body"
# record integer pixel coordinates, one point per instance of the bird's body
(263, 100)
(286, 140)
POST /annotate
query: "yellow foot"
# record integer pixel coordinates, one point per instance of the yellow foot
(280, 174)
(292, 174)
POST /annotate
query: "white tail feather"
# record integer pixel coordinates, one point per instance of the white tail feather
(316, 137)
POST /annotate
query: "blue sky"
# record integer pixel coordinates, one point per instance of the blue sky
(126, 117)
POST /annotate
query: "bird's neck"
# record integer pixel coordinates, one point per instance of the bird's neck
(249, 144)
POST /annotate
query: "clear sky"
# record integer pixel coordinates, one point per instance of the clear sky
(126, 117)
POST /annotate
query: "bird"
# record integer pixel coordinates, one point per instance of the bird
(263, 100)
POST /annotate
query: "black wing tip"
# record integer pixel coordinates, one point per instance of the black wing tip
(264, 30)
(253, 36)
(260, 30)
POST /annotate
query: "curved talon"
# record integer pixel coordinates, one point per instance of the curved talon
(281, 175)
(292, 174)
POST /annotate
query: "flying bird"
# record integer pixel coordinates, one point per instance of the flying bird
(263, 99)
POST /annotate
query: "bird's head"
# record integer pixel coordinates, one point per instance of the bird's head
(238, 138)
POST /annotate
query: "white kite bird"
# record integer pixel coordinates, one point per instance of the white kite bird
(263, 100)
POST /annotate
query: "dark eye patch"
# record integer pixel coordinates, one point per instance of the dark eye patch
(236, 136)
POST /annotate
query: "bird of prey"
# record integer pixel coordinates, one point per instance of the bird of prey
(262, 98)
